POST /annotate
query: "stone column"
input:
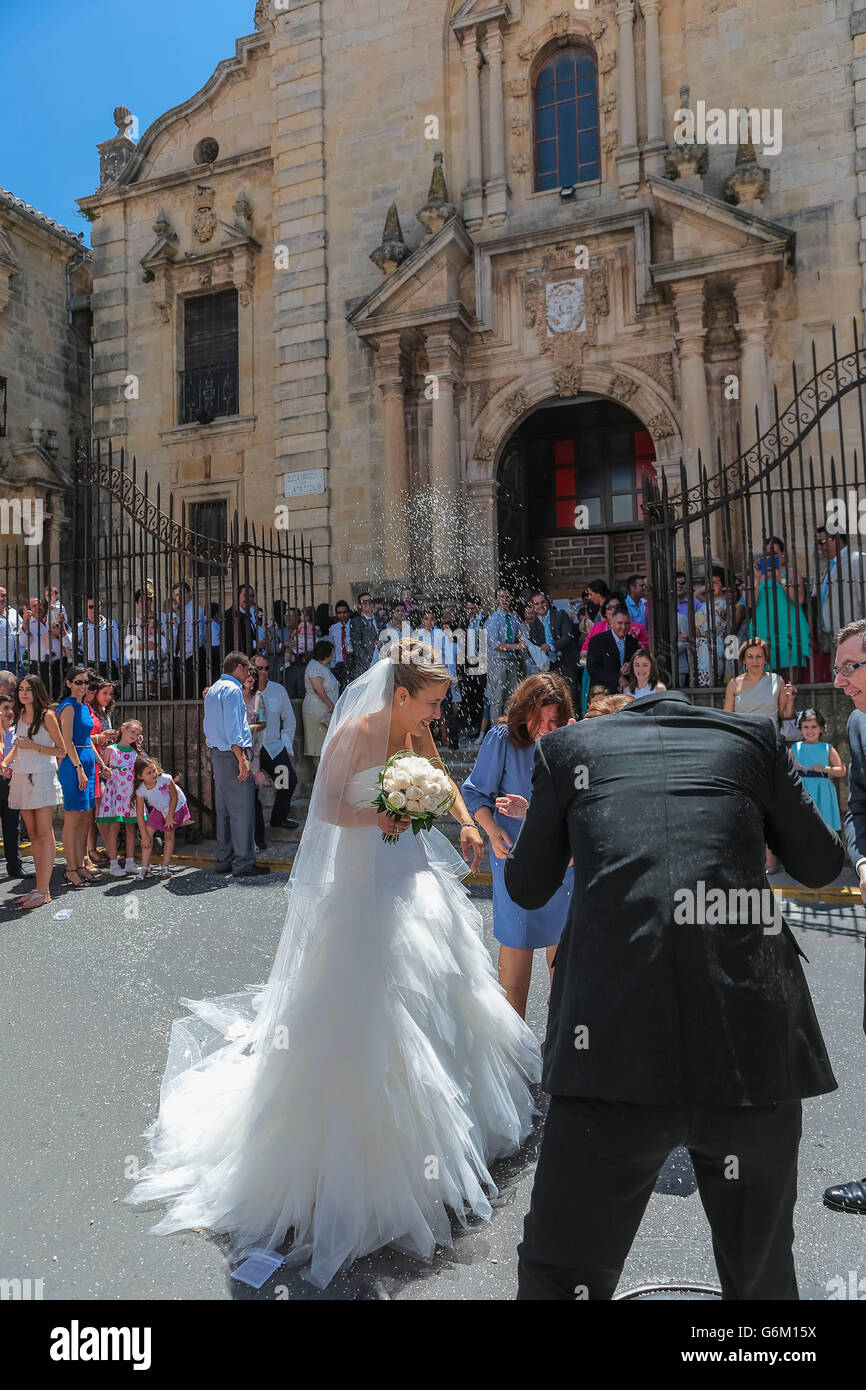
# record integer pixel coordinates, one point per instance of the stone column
(689, 305)
(655, 142)
(394, 525)
(445, 360)
(483, 497)
(496, 187)
(750, 294)
(473, 204)
(628, 158)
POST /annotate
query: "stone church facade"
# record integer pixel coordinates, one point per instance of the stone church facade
(424, 278)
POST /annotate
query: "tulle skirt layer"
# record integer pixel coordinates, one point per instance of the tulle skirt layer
(368, 1112)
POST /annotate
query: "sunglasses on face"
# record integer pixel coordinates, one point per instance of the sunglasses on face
(78, 682)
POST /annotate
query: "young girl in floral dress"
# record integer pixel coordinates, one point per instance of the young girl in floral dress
(117, 804)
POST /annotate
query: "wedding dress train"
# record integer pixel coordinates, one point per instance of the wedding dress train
(394, 1071)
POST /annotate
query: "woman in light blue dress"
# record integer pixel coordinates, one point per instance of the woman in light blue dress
(503, 769)
(818, 764)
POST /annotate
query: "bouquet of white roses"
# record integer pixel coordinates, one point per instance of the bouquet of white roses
(412, 786)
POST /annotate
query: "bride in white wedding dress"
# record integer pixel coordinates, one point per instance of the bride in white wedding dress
(362, 1093)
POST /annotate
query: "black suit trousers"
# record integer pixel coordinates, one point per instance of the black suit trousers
(599, 1163)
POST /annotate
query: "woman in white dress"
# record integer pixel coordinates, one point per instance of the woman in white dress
(34, 789)
(362, 1094)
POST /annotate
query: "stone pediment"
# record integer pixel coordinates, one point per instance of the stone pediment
(708, 236)
(473, 12)
(427, 287)
(29, 465)
(247, 50)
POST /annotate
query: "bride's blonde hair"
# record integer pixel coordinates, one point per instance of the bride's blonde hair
(415, 665)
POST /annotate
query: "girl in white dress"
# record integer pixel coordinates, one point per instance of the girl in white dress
(34, 789)
(362, 1094)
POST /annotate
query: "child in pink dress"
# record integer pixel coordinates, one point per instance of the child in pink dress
(117, 804)
(167, 809)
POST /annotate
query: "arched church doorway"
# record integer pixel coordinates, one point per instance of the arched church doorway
(592, 454)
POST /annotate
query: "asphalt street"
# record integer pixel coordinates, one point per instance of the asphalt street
(86, 1003)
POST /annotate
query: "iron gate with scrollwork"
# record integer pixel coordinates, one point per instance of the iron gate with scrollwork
(773, 534)
(153, 604)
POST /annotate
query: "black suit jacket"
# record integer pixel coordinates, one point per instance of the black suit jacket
(562, 631)
(364, 636)
(649, 802)
(602, 659)
(247, 631)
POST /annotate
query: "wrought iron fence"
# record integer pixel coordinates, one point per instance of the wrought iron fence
(151, 604)
(768, 540)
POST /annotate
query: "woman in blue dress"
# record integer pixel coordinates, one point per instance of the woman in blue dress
(76, 774)
(503, 768)
(817, 763)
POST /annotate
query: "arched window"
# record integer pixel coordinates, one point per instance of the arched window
(565, 104)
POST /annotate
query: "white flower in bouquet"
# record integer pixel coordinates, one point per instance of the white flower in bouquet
(412, 786)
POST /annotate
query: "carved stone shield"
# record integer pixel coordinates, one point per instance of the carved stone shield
(565, 304)
(204, 218)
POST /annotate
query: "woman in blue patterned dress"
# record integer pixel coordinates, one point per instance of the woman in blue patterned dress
(502, 769)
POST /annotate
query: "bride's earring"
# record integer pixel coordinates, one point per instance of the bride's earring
(402, 702)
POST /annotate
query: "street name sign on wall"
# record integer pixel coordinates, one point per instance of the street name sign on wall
(305, 483)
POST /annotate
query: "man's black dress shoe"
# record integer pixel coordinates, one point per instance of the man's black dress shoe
(18, 871)
(848, 1196)
(287, 824)
(254, 872)
(222, 868)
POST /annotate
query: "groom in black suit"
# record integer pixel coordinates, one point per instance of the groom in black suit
(851, 679)
(679, 1012)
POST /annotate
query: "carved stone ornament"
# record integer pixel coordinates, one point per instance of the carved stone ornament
(517, 403)
(560, 23)
(658, 366)
(485, 448)
(205, 276)
(526, 51)
(243, 211)
(567, 381)
(262, 14)
(204, 217)
(660, 426)
(480, 392)
(520, 164)
(564, 310)
(749, 182)
(519, 126)
(392, 249)
(623, 388)
(517, 87)
(437, 210)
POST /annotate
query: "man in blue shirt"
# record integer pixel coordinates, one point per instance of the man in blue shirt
(227, 734)
(636, 597)
(505, 652)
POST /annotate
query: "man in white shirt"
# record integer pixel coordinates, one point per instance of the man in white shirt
(842, 589)
(190, 635)
(342, 639)
(275, 755)
(93, 641)
(10, 627)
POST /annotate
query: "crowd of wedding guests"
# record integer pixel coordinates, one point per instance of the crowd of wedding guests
(757, 638)
(75, 753)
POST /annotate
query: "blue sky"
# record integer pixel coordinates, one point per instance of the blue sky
(65, 66)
